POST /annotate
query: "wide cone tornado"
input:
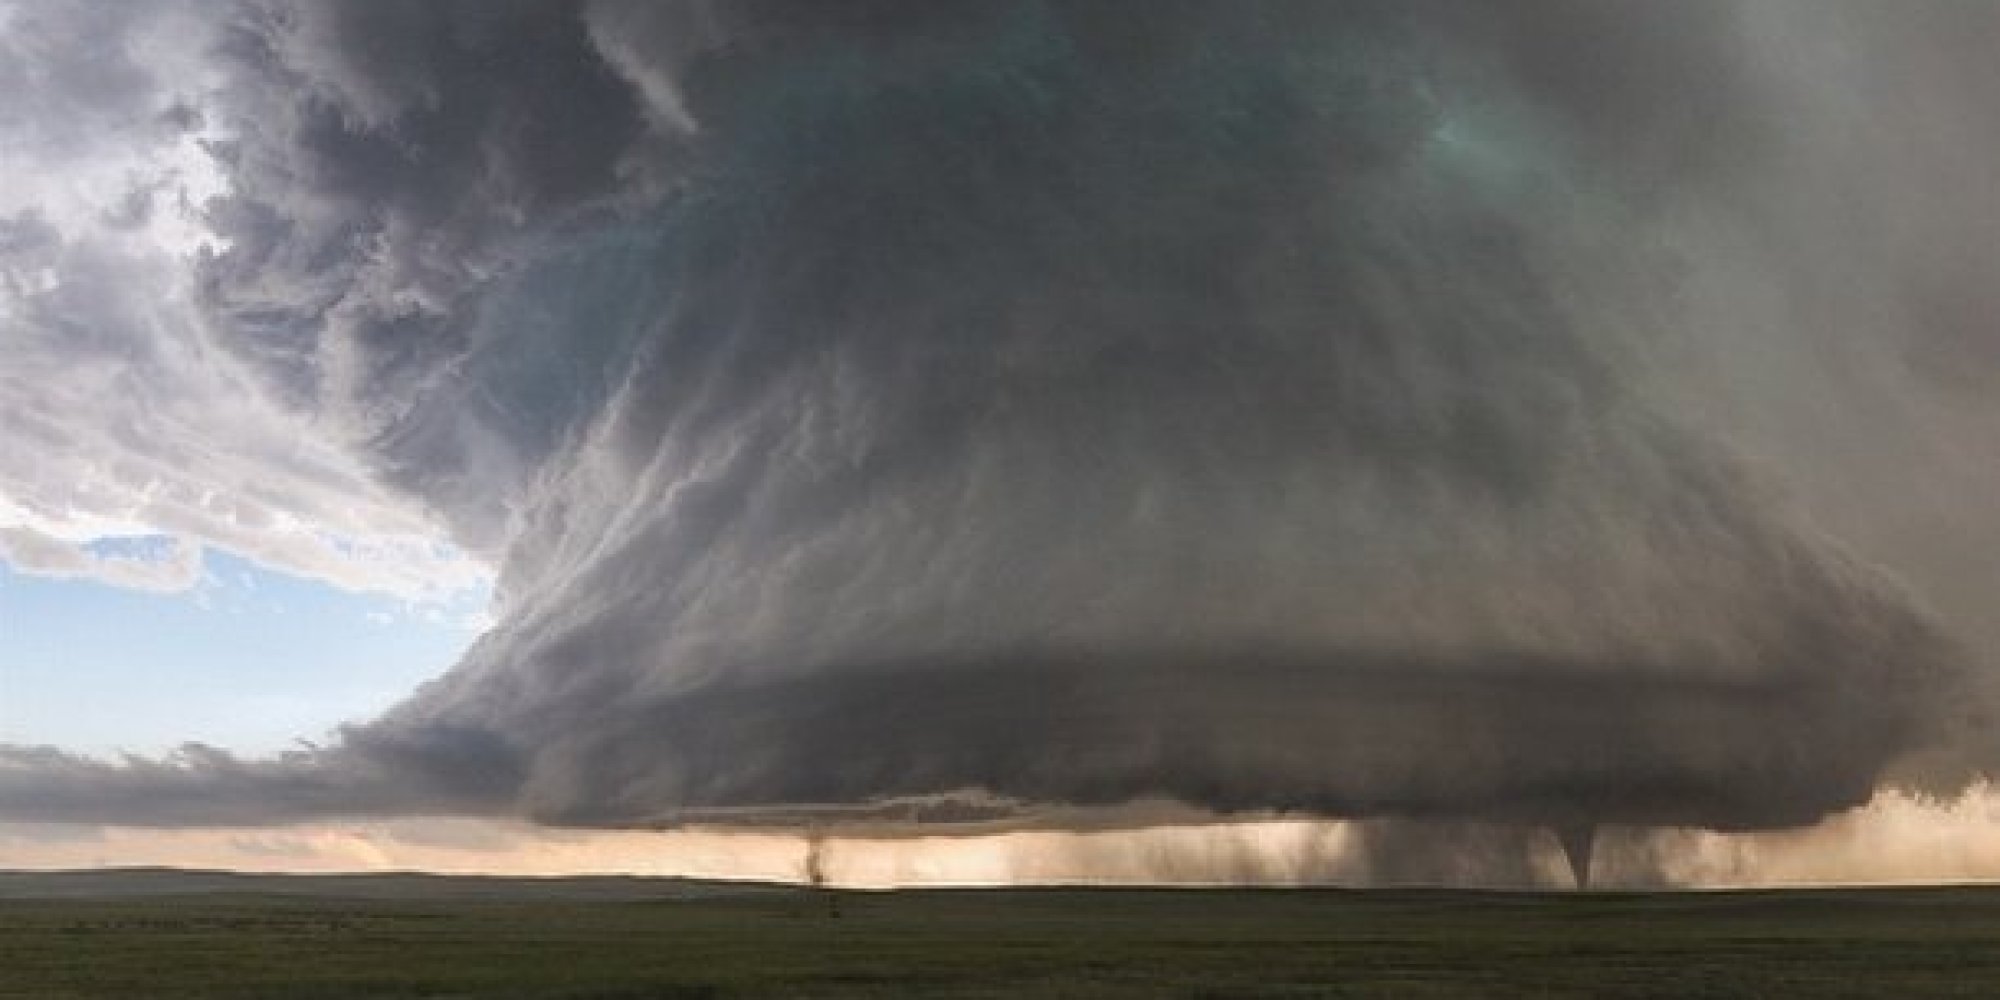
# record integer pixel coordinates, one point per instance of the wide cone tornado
(1578, 842)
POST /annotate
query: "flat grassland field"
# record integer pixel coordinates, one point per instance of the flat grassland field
(171, 935)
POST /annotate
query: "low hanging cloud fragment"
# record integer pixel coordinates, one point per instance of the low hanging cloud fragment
(1253, 405)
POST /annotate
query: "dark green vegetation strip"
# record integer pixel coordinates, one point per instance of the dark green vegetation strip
(1039, 943)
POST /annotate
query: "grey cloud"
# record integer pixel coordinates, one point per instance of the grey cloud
(200, 785)
(27, 235)
(118, 417)
(76, 70)
(389, 158)
(119, 422)
(1838, 324)
(1267, 406)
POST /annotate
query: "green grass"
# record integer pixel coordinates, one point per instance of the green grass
(1033, 943)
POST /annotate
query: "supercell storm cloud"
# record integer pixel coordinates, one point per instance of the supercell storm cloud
(1344, 408)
